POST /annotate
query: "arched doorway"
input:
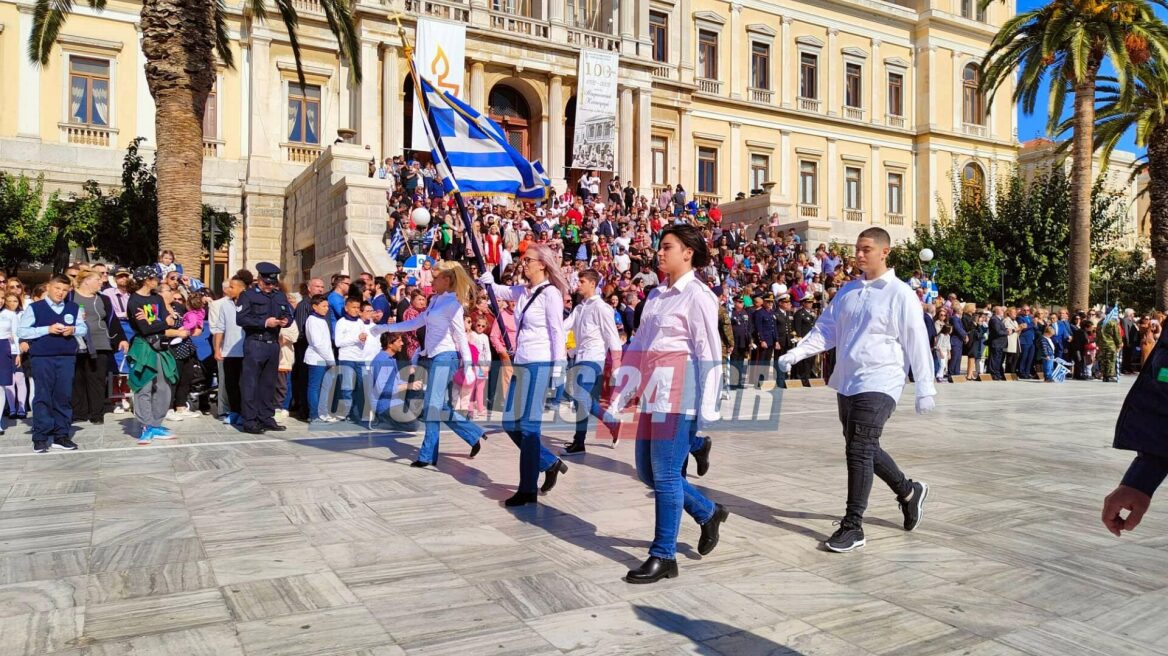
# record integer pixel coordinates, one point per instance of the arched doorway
(510, 110)
(972, 184)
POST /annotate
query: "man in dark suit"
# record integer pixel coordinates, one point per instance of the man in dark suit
(765, 335)
(803, 323)
(741, 324)
(783, 327)
(998, 338)
(1131, 340)
(606, 228)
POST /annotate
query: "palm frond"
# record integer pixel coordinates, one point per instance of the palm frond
(47, 18)
(222, 39)
(340, 21)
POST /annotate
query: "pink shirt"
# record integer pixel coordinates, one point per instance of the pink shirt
(194, 319)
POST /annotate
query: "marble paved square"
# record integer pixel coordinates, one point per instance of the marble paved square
(307, 543)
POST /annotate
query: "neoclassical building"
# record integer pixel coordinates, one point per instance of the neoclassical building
(860, 112)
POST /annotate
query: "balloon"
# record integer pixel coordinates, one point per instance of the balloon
(926, 254)
(421, 217)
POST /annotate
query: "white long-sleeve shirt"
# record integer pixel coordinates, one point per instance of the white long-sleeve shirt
(541, 336)
(594, 325)
(445, 327)
(320, 342)
(222, 322)
(347, 335)
(9, 322)
(876, 329)
(679, 330)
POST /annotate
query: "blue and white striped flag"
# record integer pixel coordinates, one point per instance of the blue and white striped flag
(1113, 315)
(396, 244)
(472, 154)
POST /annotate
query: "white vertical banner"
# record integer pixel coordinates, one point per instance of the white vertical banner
(594, 138)
(439, 55)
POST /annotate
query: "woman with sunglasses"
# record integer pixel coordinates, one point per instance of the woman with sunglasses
(540, 355)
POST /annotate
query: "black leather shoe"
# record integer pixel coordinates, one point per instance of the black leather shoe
(702, 457)
(420, 463)
(574, 449)
(553, 473)
(521, 499)
(275, 427)
(254, 430)
(653, 570)
(474, 450)
(709, 538)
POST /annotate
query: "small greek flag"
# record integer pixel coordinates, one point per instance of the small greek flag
(396, 244)
(472, 154)
(1113, 315)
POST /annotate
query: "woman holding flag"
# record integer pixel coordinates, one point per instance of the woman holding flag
(539, 359)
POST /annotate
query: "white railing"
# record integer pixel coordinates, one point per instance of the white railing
(762, 95)
(595, 40)
(854, 113)
(211, 147)
(706, 199)
(301, 153)
(809, 211)
(307, 5)
(894, 121)
(706, 85)
(853, 215)
(519, 25)
(894, 219)
(663, 70)
(809, 104)
(974, 130)
(454, 11)
(86, 135)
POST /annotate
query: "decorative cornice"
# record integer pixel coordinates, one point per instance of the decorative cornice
(761, 28)
(808, 40)
(89, 42)
(709, 17)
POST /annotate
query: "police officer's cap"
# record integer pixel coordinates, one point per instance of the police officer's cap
(146, 272)
(268, 271)
(784, 297)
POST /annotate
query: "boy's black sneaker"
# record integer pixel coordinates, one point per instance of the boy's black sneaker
(40, 446)
(846, 539)
(914, 509)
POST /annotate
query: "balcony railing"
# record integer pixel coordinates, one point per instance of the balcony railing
(658, 190)
(307, 5)
(764, 96)
(854, 113)
(454, 11)
(853, 215)
(301, 153)
(894, 121)
(519, 25)
(664, 70)
(894, 219)
(211, 147)
(974, 130)
(595, 40)
(706, 199)
(87, 135)
(706, 85)
(810, 104)
(809, 211)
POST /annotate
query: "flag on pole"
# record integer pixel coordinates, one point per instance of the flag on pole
(1113, 315)
(472, 154)
(396, 244)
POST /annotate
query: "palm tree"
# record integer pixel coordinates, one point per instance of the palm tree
(1062, 46)
(179, 40)
(1144, 107)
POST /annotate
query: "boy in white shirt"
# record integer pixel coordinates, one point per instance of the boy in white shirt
(355, 350)
(318, 357)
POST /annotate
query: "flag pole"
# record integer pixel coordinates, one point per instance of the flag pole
(436, 143)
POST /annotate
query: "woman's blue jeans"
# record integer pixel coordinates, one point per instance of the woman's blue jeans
(663, 444)
(523, 419)
(437, 408)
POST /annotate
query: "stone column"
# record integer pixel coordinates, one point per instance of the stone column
(786, 173)
(244, 109)
(557, 33)
(555, 162)
(391, 103)
(28, 109)
(261, 121)
(344, 104)
(790, 72)
(930, 209)
(478, 92)
(731, 47)
(877, 107)
(686, 28)
(957, 92)
(370, 107)
(834, 182)
(877, 204)
(626, 18)
(686, 154)
(832, 71)
(925, 91)
(736, 165)
(624, 166)
(644, 165)
(646, 45)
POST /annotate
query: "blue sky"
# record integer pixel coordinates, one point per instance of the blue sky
(1034, 125)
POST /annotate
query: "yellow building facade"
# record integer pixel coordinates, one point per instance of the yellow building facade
(851, 112)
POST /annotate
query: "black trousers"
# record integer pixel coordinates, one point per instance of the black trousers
(802, 370)
(261, 361)
(763, 360)
(90, 387)
(232, 372)
(738, 359)
(996, 361)
(300, 381)
(863, 417)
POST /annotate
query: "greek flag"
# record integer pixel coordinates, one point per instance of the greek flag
(396, 244)
(1113, 315)
(472, 154)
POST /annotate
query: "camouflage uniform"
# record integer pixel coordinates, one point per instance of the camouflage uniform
(1110, 342)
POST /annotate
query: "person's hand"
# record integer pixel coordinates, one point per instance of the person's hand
(1124, 498)
(68, 331)
(925, 405)
(124, 347)
(218, 355)
(140, 315)
(56, 329)
(362, 337)
(283, 322)
(762, 345)
(272, 322)
(170, 319)
(183, 332)
(416, 385)
(468, 374)
(485, 279)
(786, 362)
(24, 347)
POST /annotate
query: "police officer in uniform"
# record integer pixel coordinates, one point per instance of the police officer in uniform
(784, 330)
(263, 311)
(803, 323)
(766, 333)
(740, 324)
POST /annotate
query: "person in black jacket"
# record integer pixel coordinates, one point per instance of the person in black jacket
(741, 325)
(998, 339)
(804, 322)
(1142, 427)
(765, 335)
(785, 329)
(103, 337)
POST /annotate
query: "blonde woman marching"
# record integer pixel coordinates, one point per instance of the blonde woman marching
(540, 356)
(446, 350)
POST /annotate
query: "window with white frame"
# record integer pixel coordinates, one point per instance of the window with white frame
(853, 188)
(760, 65)
(708, 54)
(211, 116)
(895, 193)
(660, 154)
(808, 183)
(89, 91)
(809, 75)
(896, 94)
(760, 170)
(659, 35)
(853, 85)
(304, 113)
(972, 99)
(707, 170)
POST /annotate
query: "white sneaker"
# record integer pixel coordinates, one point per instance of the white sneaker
(282, 414)
(173, 415)
(119, 410)
(329, 419)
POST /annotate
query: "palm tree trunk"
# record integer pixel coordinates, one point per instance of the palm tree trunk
(177, 39)
(1158, 208)
(1082, 174)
